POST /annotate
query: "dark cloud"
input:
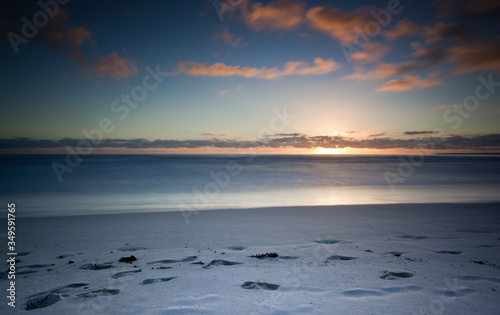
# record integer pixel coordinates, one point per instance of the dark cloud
(411, 133)
(457, 142)
(71, 42)
(382, 134)
(473, 31)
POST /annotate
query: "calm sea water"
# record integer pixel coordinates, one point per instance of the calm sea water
(136, 183)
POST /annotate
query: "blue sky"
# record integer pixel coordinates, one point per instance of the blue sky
(228, 77)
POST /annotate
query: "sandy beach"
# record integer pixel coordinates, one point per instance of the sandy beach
(369, 259)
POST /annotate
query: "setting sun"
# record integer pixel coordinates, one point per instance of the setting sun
(320, 150)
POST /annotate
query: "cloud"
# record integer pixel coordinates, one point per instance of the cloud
(412, 133)
(235, 89)
(429, 56)
(450, 7)
(473, 21)
(78, 35)
(115, 66)
(403, 28)
(68, 40)
(281, 15)
(456, 142)
(73, 43)
(440, 32)
(470, 59)
(408, 83)
(372, 52)
(223, 34)
(381, 134)
(426, 58)
(220, 69)
(379, 72)
(208, 134)
(336, 23)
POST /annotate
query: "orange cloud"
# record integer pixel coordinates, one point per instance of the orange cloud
(431, 54)
(467, 59)
(408, 83)
(438, 32)
(427, 57)
(78, 35)
(402, 29)
(339, 25)
(115, 66)
(379, 72)
(220, 69)
(372, 52)
(74, 38)
(231, 39)
(283, 15)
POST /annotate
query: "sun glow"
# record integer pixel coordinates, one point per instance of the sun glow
(320, 150)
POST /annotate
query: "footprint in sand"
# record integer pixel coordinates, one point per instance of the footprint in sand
(413, 237)
(43, 301)
(450, 252)
(327, 241)
(173, 261)
(63, 289)
(100, 292)
(339, 257)
(37, 266)
(50, 297)
(360, 293)
(149, 281)
(220, 262)
(125, 273)
(391, 275)
(249, 285)
(131, 249)
(395, 254)
(96, 266)
(236, 247)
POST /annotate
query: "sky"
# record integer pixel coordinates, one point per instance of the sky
(235, 76)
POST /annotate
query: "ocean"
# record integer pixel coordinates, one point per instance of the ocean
(144, 183)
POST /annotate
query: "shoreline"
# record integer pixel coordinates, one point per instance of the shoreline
(196, 212)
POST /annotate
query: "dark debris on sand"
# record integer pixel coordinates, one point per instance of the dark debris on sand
(480, 262)
(266, 255)
(128, 259)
